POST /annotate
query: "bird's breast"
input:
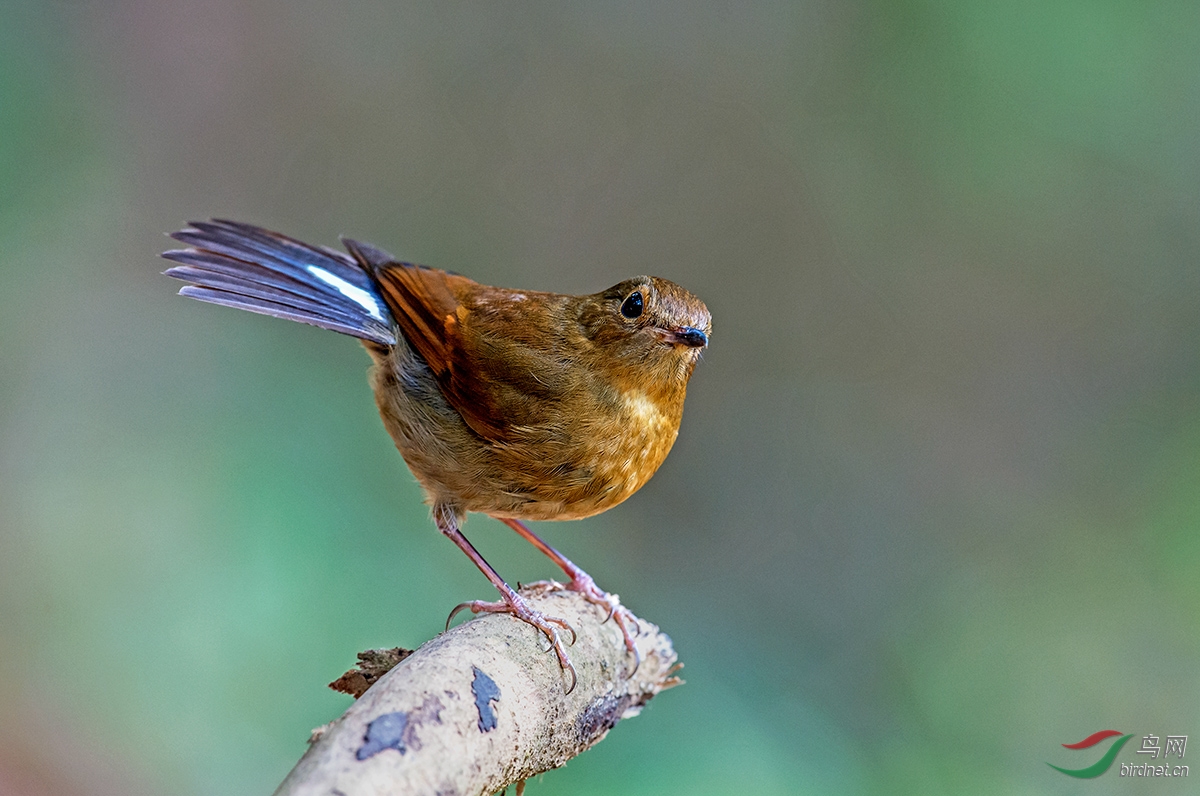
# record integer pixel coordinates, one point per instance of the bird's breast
(638, 439)
(642, 412)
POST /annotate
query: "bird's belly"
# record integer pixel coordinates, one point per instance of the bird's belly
(561, 471)
(598, 466)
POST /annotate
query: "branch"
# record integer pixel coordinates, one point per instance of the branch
(484, 706)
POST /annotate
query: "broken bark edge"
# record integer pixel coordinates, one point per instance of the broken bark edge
(372, 664)
(483, 706)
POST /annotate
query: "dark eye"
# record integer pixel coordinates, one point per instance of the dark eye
(632, 307)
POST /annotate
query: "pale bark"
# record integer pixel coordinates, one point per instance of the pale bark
(485, 706)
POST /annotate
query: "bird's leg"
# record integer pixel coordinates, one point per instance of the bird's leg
(510, 602)
(582, 582)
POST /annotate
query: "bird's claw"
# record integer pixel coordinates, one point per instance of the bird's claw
(517, 607)
(582, 583)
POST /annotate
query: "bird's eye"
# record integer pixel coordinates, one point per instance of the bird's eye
(633, 305)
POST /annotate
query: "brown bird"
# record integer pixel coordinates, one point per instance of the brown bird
(517, 404)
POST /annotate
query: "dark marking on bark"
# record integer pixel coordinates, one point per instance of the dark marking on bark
(399, 730)
(486, 692)
(600, 716)
(386, 732)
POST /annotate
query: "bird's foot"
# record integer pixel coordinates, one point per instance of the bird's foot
(515, 605)
(610, 603)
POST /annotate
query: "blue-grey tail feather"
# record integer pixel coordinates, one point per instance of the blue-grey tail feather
(239, 265)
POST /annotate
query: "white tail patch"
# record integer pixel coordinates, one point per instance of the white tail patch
(356, 294)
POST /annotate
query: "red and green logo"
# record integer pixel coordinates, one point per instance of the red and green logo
(1101, 765)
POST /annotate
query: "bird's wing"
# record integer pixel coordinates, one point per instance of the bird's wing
(496, 353)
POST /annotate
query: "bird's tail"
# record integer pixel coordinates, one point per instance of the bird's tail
(243, 266)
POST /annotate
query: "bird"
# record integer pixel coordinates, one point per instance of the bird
(518, 404)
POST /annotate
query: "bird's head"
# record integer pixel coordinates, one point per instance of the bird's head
(650, 323)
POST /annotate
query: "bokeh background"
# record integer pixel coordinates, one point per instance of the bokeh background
(934, 507)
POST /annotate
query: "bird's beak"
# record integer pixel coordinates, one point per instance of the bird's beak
(689, 336)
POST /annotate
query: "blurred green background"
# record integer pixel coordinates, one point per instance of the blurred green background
(933, 510)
